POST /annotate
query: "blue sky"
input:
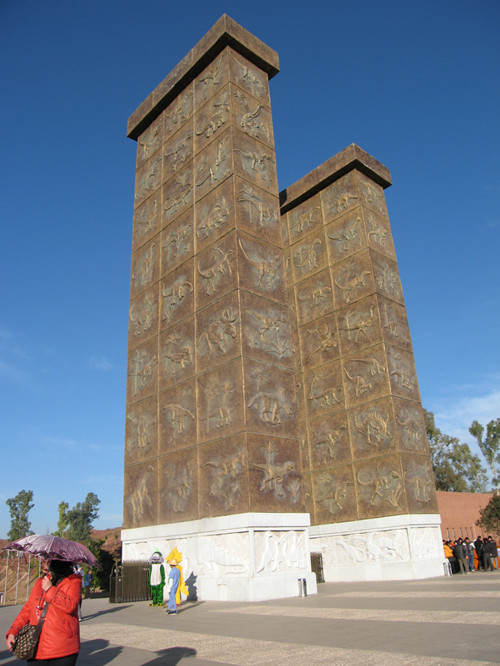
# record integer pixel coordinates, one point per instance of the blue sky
(415, 84)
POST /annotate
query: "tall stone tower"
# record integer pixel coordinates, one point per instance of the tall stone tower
(270, 373)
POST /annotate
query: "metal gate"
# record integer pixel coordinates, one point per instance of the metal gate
(317, 566)
(130, 582)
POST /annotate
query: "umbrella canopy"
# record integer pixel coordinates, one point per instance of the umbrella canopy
(54, 548)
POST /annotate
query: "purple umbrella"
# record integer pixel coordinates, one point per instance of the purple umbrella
(54, 548)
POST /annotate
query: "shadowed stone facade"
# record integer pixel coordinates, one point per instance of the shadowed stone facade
(270, 366)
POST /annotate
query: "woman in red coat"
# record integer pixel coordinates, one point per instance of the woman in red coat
(59, 642)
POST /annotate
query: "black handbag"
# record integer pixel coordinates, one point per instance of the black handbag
(26, 642)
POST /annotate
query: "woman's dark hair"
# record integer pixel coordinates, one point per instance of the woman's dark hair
(60, 570)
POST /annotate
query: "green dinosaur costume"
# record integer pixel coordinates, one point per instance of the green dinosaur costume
(157, 578)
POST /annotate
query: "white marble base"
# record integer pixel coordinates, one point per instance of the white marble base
(391, 548)
(244, 557)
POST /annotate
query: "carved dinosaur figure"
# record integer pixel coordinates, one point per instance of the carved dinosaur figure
(361, 326)
(326, 339)
(219, 117)
(386, 486)
(215, 219)
(143, 270)
(307, 256)
(274, 473)
(250, 125)
(219, 267)
(360, 383)
(178, 416)
(352, 285)
(212, 77)
(220, 330)
(349, 234)
(317, 296)
(269, 405)
(267, 269)
(326, 398)
(373, 425)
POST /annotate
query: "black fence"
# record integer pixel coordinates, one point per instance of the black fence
(129, 582)
(317, 566)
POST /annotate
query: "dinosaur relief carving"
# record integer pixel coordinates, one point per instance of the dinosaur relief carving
(402, 372)
(146, 219)
(325, 340)
(357, 323)
(250, 81)
(175, 354)
(351, 286)
(373, 197)
(142, 367)
(323, 398)
(220, 404)
(268, 269)
(274, 336)
(373, 423)
(142, 315)
(178, 243)
(256, 164)
(330, 493)
(421, 482)
(349, 237)
(148, 179)
(303, 222)
(216, 218)
(179, 195)
(361, 385)
(173, 294)
(396, 329)
(258, 213)
(338, 204)
(306, 257)
(225, 474)
(274, 473)
(139, 499)
(210, 172)
(214, 274)
(180, 111)
(385, 486)
(149, 142)
(212, 78)
(252, 122)
(388, 281)
(221, 332)
(376, 232)
(143, 429)
(177, 485)
(221, 110)
(142, 273)
(324, 447)
(177, 416)
(179, 153)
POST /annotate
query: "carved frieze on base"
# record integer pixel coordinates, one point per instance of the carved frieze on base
(243, 557)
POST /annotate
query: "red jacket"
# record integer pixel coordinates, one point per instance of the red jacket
(60, 635)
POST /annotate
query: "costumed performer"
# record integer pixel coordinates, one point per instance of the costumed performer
(176, 583)
(157, 578)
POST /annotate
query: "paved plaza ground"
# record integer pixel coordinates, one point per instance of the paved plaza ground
(448, 620)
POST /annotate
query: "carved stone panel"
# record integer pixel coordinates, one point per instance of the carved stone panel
(402, 374)
(373, 430)
(309, 255)
(314, 297)
(345, 235)
(334, 495)
(305, 218)
(177, 295)
(267, 330)
(353, 279)
(178, 487)
(216, 271)
(280, 551)
(141, 432)
(305, 454)
(258, 212)
(270, 399)
(148, 178)
(177, 409)
(329, 440)
(145, 267)
(177, 241)
(319, 341)
(214, 215)
(213, 118)
(147, 218)
(224, 477)
(214, 164)
(378, 233)
(339, 197)
(249, 78)
(220, 402)
(372, 195)
(218, 333)
(143, 316)
(140, 505)
(177, 152)
(324, 390)
(394, 324)
(252, 117)
(178, 112)
(386, 274)
(275, 480)
(177, 353)
(149, 142)
(178, 194)
(255, 162)
(366, 376)
(410, 426)
(142, 371)
(420, 484)
(359, 325)
(213, 78)
(261, 268)
(380, 487)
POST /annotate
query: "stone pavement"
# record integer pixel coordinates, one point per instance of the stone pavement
(450, 620)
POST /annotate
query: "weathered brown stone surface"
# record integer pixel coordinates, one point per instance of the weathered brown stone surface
(270, 363)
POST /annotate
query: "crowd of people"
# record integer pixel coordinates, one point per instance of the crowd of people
(466, 556)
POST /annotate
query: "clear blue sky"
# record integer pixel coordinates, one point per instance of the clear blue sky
(415, 84)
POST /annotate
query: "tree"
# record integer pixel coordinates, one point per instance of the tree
(455, 467)
(19, 507)
(79, 519)
(490, 516)
(489, 446)
(62, 522)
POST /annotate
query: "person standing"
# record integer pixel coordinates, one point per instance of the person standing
(460, 554)
(493, 551)
(487, 552)
(61, 588)
(157, 578)
(173, 583)
(478, 545)
(469, 547)
(87, 581)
